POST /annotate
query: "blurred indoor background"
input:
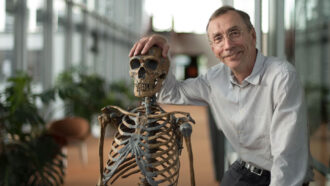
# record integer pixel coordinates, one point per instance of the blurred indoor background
(73, 55)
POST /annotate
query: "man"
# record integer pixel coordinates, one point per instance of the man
(257, 102)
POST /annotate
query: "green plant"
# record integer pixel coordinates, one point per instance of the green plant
(121, 94)
(19, 108)
(82, 94)
(85, 94)
(28, 155)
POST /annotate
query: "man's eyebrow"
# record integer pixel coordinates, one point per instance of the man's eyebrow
(216, 34)
(233, 28)
(229, 30)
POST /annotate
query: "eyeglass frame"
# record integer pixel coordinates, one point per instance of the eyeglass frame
(228, 36)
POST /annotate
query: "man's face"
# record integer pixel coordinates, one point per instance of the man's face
(232, 42)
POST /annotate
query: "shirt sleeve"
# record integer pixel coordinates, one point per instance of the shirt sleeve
(193, 91)
(289, 132)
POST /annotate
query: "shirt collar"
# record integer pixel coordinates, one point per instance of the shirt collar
(255, 76)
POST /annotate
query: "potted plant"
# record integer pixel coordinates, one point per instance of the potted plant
(28, 155)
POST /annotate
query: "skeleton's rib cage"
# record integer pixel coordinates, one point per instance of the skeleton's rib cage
(146, 144)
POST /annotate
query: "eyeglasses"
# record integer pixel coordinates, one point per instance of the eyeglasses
(232, 35)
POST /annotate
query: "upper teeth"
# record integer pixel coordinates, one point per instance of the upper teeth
(145, 86)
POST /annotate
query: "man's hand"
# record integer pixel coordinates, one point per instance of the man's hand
(145, 43)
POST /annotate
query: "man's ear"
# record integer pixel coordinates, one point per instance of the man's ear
(254, 35)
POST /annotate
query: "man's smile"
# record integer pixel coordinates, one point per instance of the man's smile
(233, 55)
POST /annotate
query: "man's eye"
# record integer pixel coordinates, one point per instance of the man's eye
(235, 33)
(218, 39)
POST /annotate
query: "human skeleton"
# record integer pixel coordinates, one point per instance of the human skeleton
(148, 139)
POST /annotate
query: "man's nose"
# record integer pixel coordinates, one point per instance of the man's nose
(227, 43)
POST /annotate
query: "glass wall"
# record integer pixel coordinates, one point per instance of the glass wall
(307, 45)
(34, 47)
(7, 39)
(58, 42)
(45, 37)
(312, 58)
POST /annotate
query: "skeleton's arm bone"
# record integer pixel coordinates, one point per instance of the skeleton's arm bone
(101, 142)
(108, 116)
(186, 131)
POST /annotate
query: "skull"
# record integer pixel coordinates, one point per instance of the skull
(148, 72)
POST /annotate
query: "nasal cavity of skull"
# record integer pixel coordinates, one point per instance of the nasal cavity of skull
(135, 63)
(162, 76)
(141, 73)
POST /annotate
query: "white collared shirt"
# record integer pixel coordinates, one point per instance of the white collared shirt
(264, 118)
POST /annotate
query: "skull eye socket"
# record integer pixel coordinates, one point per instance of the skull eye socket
(135, 63)
(151, 64)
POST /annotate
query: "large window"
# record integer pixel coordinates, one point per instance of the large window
(46, 37)
(312, 56)
(6, 40)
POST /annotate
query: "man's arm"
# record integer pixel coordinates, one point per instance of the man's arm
(289, 132)
(193, 91)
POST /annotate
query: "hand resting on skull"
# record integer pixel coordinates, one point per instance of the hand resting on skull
(145, 43)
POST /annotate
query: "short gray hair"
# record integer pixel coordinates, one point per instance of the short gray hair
(224, 9)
